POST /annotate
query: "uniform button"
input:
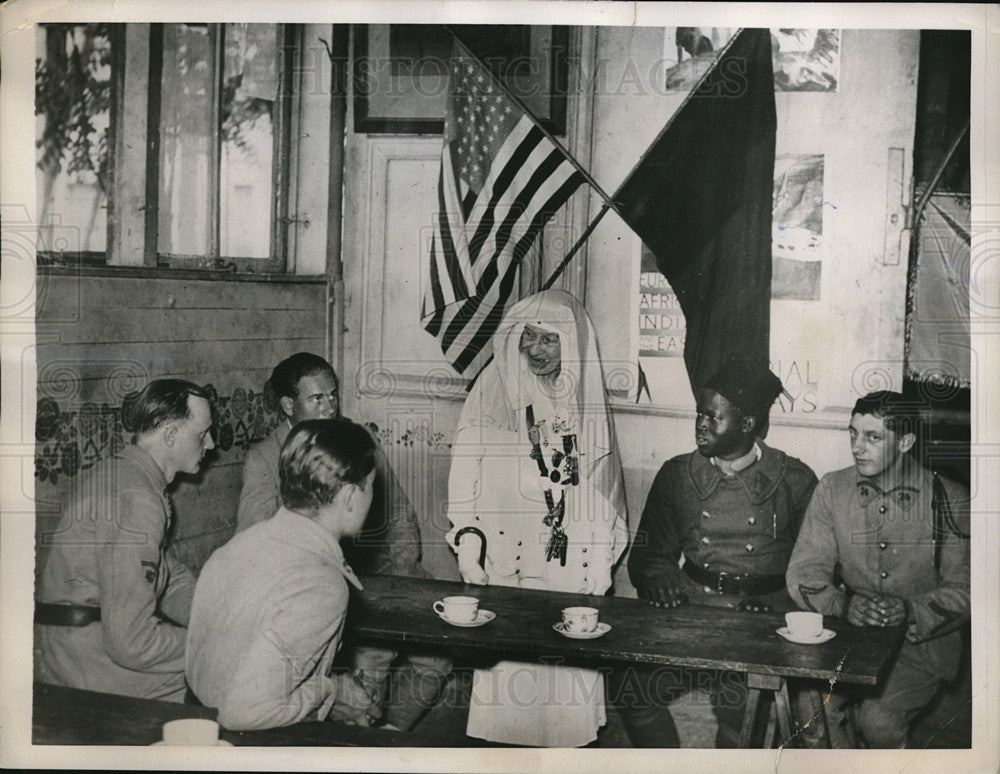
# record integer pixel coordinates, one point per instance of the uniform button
(752, 520)
(749, 547)
(517, 558)
(501, 532)
(584, 550)
(519, 542)
(883, 545)
(706, 565)
(705, 540)
(883, 574)
(584, 564)
(705, 514)
(882, 509)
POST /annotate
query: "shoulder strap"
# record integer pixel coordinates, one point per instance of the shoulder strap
(944, 519)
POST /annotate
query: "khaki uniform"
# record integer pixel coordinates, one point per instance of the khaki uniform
(109, 551)
(389, 544)
(266, 623)
(881, 541)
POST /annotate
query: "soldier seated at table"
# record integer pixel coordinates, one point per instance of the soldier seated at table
(731, 510)
(112, 600)
(307, 387)
(897, 536)
(270, 605)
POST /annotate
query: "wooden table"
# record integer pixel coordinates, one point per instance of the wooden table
(399, 610)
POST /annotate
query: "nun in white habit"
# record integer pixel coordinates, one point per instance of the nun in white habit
(535, 469)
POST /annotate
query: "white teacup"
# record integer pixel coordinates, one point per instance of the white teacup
(462, 609)
(580, 620)
(191, 732)
(804, 624)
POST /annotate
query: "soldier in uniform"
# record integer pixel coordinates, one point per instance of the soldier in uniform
(112, 602)
(731, 511)
(898, 536)
(307, 387)
(271, 604)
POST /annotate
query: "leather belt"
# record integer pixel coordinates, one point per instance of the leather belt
(732, 583)
(66, 615)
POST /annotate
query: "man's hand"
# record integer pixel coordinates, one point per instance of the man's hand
(354, 704)
(665, 593)
(876, 610)
(753, 605)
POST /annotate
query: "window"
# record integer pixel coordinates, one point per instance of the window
(210, 189)
(221, 160)
(73, 106)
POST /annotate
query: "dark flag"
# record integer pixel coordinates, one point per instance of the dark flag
(501, 181)
(701, 200)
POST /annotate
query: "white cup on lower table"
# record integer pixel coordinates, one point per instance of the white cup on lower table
(580, 620)
(804, 624)
(191, 732)
(461, 609)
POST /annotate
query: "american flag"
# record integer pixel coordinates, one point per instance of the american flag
(501, 181)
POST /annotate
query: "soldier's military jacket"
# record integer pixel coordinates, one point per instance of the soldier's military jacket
(390, 541)
(109, 551)
(881, 540)
(741, 524)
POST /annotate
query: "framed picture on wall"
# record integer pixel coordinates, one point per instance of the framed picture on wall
(401, 72)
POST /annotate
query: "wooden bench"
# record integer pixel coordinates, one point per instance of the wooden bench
(72, 716)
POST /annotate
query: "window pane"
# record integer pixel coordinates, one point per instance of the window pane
(249, 95)
(186, 138)
(73, 117)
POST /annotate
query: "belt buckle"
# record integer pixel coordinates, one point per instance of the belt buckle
(721, 582)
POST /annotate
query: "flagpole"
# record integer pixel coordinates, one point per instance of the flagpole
(576, 247)
(517, 101)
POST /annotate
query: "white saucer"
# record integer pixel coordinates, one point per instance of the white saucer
(600, 631)
(484, 617)
(826, 636)
(220, 743)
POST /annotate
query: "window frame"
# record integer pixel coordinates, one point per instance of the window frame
(290, 36)
(133, 139)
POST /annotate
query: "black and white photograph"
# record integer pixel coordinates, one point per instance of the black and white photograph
(499, 386)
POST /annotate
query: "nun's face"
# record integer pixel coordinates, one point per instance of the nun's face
(541, 350)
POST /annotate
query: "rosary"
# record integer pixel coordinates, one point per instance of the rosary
(565, 471)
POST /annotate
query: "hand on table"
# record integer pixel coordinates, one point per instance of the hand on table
(753, 605)
(880, 610)
(665, 594)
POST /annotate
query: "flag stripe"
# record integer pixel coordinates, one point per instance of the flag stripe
(449, 254)
(507, 175)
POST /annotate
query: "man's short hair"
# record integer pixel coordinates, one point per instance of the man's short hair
(285, 377)
(901, 415)
(318, 458)
(160, 401)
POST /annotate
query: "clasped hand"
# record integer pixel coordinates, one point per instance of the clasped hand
(866, 609)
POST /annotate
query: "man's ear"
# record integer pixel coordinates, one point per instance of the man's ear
(748, 424)
(169, 431)
(287, 404)
(906, 442)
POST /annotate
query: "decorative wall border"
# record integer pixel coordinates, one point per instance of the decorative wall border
(71, 440)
